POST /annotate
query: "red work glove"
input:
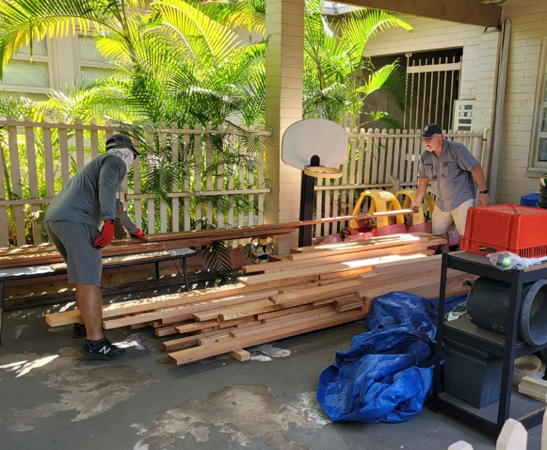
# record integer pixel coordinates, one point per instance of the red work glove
(107, 234)
(139, 235)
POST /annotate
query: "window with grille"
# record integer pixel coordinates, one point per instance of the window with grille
(93, 65)
(538, 157)
(28, 71)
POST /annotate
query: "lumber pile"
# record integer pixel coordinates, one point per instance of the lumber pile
(47, 254)
(309, 289)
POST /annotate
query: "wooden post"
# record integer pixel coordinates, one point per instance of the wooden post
(461, 445)
(32, 179)
(284, 88)
(16, 186)
(513, 436)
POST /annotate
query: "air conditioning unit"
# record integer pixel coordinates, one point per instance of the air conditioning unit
(463, 115)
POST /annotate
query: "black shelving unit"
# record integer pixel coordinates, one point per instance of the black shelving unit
(507, 346)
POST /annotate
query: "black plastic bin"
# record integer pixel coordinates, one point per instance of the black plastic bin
(471, 374)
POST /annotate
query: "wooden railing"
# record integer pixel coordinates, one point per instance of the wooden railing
(379, 159)
(222, 174)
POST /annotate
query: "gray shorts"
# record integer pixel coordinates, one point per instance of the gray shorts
(74, 241)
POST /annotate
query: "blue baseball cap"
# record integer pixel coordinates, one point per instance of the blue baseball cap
(431, 129)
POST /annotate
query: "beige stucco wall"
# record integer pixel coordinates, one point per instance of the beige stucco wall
(478, 78)
(528, 32)
(480, 46)
(284, 91)
(479, 59)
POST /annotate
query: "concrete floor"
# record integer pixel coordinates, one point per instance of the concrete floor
(53, 400)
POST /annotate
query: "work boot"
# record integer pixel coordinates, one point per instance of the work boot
(102, 349)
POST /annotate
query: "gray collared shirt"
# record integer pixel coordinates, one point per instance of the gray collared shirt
(450, 174)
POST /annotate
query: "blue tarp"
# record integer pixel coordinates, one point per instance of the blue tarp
(387, 373)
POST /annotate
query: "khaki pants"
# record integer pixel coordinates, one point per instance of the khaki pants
(442, 220)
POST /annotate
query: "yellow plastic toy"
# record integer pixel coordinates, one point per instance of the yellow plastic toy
(380, 201)
(408, 196)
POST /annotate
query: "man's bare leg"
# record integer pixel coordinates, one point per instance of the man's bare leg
(90, 304)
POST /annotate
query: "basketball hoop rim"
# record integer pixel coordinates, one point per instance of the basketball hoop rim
(322, 172)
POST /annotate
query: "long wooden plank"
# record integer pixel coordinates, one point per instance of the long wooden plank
(168, 330)
(318, 293)
(178, 313)
(232, 293)
(189, 341)
(180, 343)
(194, 354)
(206, 340)
(373, 289)
(241, 322)
(360, 305)
(349, 273)
(284, 312)
(281, 323)
(47, 254)
(279, 266)
(320, 266)
(248, 309)
(196, 326)
(184, 312)
(375, 241)
(176, 318)
(357, 247)
(347, 299)
(405, 264)
(215, 313)
(381, 279)
(455, 286)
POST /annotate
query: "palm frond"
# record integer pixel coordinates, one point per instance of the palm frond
(360, 25)
(217, 259)
(377, 79)
(382, 117)
(210, 39)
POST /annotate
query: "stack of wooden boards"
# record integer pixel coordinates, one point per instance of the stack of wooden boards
(29, 255)
(309, 289)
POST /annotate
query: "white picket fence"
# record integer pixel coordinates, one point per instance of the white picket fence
(379, 159)
(38, 159)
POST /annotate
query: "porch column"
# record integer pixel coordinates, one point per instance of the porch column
(284, 89)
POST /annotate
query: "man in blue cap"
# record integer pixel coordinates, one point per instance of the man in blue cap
(453, 172)
(72, 223)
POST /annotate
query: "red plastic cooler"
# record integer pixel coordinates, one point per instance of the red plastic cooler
(511, 227)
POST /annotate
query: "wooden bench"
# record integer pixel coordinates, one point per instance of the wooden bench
(45, 270)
